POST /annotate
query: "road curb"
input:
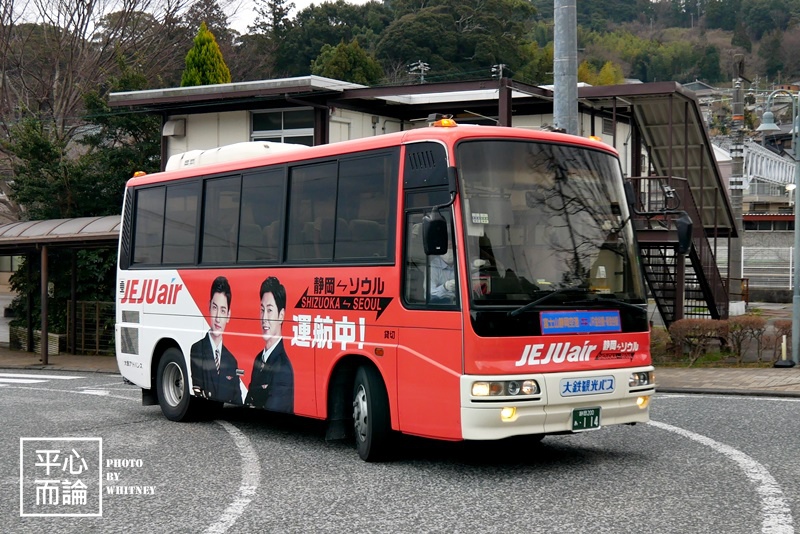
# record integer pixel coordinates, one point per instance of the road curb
(731, 392)
(50, 368)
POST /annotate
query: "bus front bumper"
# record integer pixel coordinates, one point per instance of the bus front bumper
(553, 410)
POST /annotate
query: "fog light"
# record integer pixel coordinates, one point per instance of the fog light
(508, 414)
(642, 402)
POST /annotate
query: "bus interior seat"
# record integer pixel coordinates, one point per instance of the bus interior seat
(179, 238)
(147, 244)
(271, 239)
(370, 236)
(251, 243)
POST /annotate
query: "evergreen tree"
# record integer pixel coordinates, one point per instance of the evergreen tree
(347, 62)
(771, 52)
(709, 65)
(204, 62)
(268, 38)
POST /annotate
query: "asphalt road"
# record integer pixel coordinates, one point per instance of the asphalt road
(705, 464)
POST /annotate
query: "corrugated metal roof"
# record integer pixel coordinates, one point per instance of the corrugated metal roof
(675, 135)
(24, 236)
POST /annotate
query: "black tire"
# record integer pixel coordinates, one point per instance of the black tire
(172, 385)
(371, 420)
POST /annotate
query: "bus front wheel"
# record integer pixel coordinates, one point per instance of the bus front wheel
(173, 387)
(371, 419)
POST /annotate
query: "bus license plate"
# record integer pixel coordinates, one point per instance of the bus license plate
(585, 419)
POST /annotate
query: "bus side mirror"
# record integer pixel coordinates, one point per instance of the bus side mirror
(434, 234)
(630, 196)
(683, 225)
(452, 180)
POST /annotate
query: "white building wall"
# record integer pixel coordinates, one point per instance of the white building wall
(210, 130)
(345, 125)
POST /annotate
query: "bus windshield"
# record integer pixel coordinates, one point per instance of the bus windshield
(546, 223)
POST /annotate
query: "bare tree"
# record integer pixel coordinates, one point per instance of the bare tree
(54, 52)
(74, 45)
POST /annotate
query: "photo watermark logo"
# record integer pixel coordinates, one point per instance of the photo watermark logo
(61, 477)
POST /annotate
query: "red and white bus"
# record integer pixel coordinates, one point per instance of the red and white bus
(455, 282)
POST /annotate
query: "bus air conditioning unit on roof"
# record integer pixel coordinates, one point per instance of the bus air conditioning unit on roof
(234, 152)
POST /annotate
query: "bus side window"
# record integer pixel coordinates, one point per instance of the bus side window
(180, 222)
(415, 267)
(312, 208)
(149, 221)
(221, 219)
(262, 211)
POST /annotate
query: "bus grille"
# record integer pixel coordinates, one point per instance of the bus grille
(129, 338)
(130, 316)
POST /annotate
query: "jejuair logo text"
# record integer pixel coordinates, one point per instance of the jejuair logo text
(556, 353)
(151, 290)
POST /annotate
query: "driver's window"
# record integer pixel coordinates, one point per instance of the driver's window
(429, 280)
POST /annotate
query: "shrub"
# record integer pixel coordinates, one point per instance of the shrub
(742, 331)
(661, 345)
(693, 337)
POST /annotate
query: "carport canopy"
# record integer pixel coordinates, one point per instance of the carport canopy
(31, 237)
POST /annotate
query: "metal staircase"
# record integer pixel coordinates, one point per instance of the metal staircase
(682, 285)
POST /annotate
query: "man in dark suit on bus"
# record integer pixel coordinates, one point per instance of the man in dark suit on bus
(214, 368)
(272, 382)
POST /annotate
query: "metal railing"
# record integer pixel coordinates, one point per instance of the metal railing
(670, 195)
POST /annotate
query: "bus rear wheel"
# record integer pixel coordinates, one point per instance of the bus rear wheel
(177, 404)
(371, 420)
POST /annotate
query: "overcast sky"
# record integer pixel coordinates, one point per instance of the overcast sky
(245, 15)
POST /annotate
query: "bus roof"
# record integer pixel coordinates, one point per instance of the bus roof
(448, 135)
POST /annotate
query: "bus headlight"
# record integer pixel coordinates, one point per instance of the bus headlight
(642, 378)
(510, 388)
(530, 387)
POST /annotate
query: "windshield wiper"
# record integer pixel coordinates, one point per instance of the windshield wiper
(621, 303)
(537, 302)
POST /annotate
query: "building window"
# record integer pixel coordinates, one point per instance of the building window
(608, 127)
(769, 226)
(284, 126)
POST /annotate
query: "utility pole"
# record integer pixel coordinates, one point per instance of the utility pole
(565, 67)
(497, 70)
(419, 68)
(737, 185)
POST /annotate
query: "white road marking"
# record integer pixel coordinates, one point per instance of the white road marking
(759, 398)
(251, 467)
(251, 478)
(21, 381)
(50, 377)
(98, 392)
(72, 391)
(776, 517)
